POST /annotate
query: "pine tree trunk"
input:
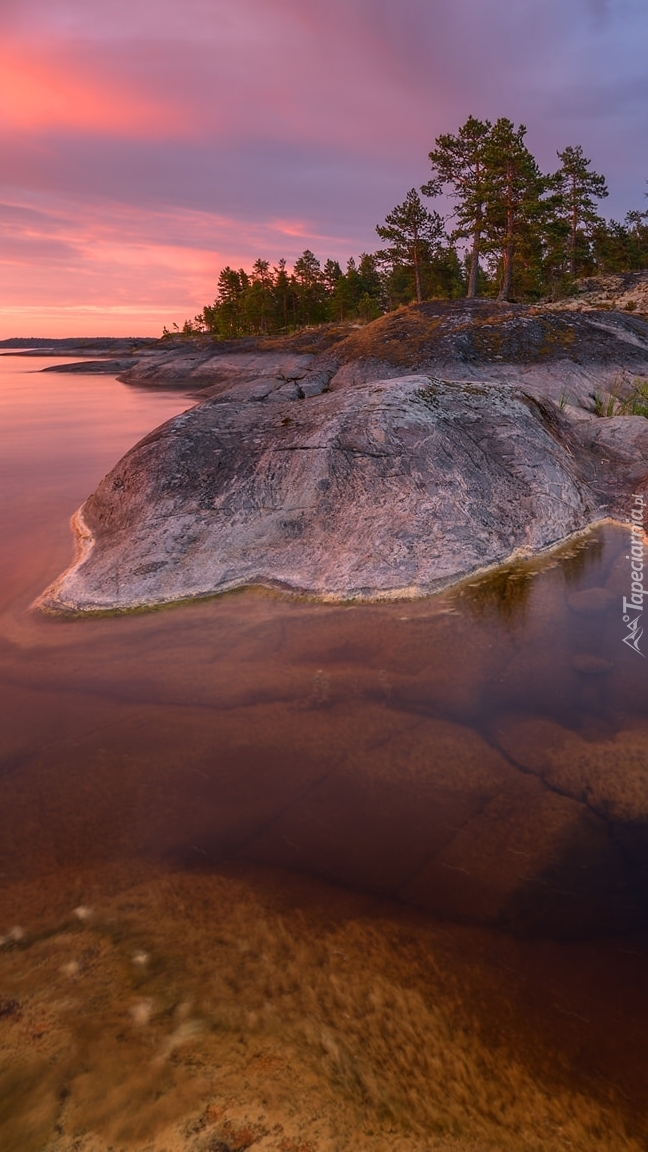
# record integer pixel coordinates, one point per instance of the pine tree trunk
(572, 240)
(509, 252)
(417, 276)
(474, 267)
(507, 271)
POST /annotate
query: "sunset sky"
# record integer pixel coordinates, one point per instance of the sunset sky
(146, 143)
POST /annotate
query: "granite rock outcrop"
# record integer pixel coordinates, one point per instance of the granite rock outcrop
(339, 463)
(389, 489)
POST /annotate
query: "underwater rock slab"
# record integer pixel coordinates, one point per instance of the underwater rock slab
(609, 775)
(391, 489)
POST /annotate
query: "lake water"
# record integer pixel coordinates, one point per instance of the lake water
(293, 876)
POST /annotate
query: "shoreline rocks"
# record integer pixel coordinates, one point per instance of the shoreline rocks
(551, 352)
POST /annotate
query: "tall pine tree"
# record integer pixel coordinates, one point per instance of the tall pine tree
(459, 161)
(514, 205)
(577, 188)
(414, 233)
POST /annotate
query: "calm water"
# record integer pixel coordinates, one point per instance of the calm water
(454, 791)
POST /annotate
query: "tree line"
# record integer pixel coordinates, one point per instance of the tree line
(514, 233)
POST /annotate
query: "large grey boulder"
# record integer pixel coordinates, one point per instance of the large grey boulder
(394, 488)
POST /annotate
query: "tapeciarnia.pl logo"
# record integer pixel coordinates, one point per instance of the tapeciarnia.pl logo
(631, 616)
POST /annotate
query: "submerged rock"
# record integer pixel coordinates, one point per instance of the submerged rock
(610, 776)
(590, 601)
(396, 488)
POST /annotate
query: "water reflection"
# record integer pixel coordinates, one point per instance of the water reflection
(587, 553)
(505, 591)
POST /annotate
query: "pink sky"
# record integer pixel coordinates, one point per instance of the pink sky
(146, 143)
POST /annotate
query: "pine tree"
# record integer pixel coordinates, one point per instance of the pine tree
(258, 302)
(343, 295)
(460, 162)
(281, 292)
(331, 273)
(369, 304)
(622, 247)
(637, 226)
(414, 233)
(356, 293)
(310, 290)
(225, 318)
(577, 189)
(514, 208)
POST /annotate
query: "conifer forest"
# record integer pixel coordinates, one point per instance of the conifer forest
(509, 231)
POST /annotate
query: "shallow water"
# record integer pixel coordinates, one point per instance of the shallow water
(292, 813)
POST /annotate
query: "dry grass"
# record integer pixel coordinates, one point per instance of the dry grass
(481, 331)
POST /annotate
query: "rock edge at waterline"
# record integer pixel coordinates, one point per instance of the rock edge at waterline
(395, 488)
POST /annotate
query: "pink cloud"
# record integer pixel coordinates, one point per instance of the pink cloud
(248, 71)
(40, 90)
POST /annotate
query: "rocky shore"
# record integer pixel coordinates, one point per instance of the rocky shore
(368, 462)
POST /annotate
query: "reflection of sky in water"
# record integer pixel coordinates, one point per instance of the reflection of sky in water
(480, 756)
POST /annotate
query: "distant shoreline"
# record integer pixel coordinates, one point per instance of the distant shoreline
(75, 345)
